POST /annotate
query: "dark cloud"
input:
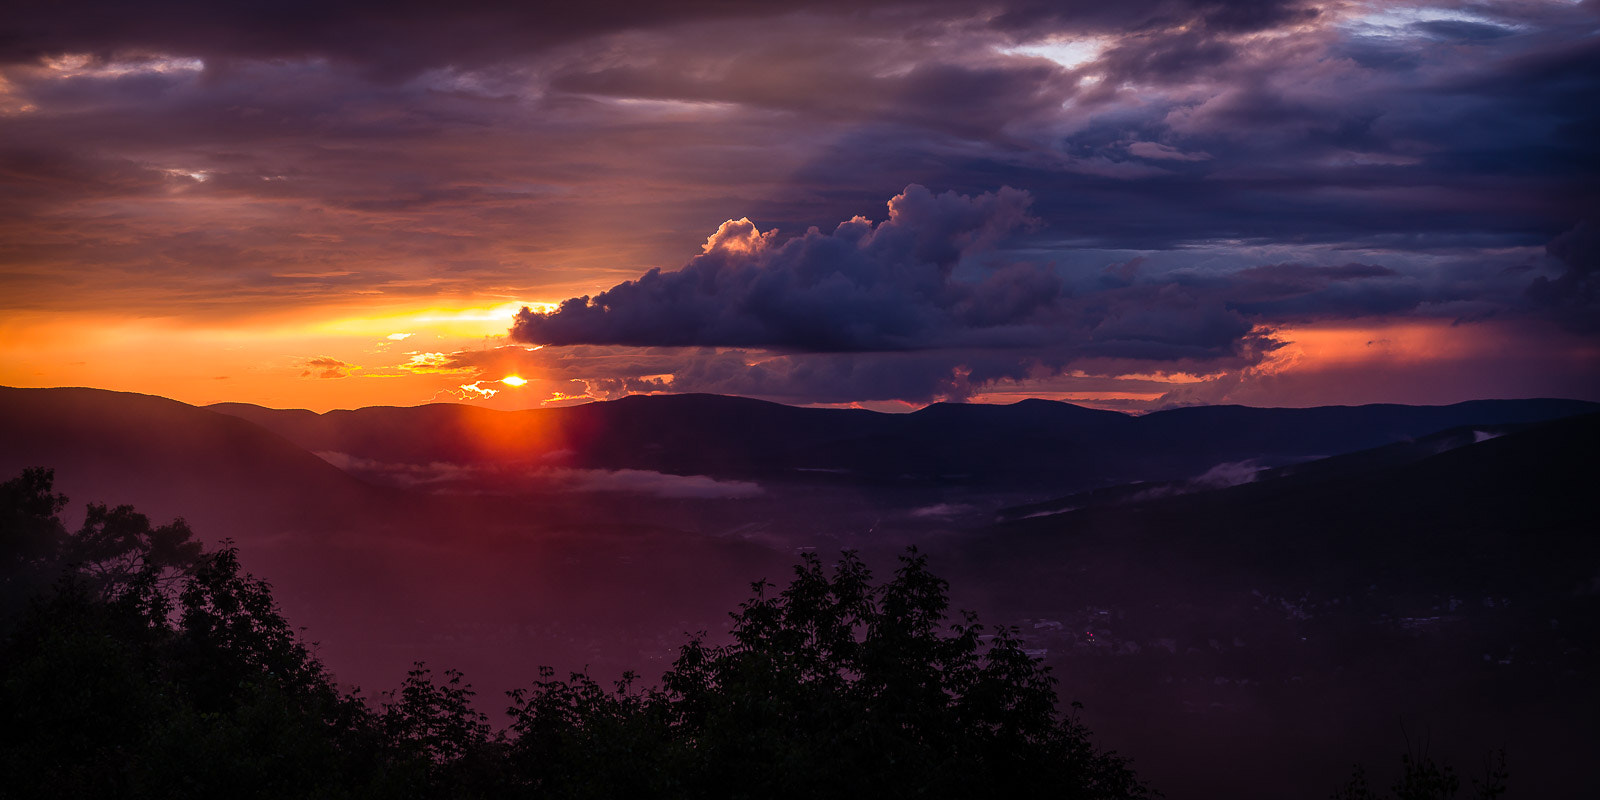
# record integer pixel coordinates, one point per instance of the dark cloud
(912, 309)
(1300, 292)
(1462, 30)
(1240, 16)
(394, 39)
(1573, 296)
(1162, 57)
(396, 36)
(889, 286)
(1302, 141)
(1185, 128)
(846, 377)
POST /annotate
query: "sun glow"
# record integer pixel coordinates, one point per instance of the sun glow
(512, 380)
(480, 320)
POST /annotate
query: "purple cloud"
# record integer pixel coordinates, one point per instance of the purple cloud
(863, 286)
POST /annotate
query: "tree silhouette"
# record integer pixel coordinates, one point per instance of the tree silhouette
(140, 666)
(1422, 778)
(830, 687)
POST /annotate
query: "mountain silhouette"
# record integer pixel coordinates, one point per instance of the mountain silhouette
(170, 459)
(1031, 444)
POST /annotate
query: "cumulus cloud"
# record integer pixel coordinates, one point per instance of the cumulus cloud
(917, 307)
(862, 286)
(921, 307)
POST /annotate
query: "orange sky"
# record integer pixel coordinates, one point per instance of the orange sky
(391, 355)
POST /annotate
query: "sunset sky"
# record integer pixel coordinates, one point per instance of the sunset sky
(1128, 205)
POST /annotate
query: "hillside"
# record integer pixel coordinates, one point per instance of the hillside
(1456, 591)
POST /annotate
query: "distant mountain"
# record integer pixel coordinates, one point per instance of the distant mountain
(1027, 445)
(171, 459)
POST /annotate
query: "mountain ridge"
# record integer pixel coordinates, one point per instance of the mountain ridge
(1026, 443)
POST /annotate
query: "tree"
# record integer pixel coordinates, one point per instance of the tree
(31, 538)
(438, 743)
(1422, 778)
(830, 687)
(115, 552)
(141, 666)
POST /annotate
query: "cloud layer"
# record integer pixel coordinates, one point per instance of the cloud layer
(1158, 185)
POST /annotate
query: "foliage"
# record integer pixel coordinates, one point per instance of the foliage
(136, 665)
(142, 667)
(830, 687)
(436, 739)
(31, 538)
(833, 686)
(115, 553)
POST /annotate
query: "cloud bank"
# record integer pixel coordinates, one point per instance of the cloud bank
(929, 304)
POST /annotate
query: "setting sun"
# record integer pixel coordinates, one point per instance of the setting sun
(512, 380)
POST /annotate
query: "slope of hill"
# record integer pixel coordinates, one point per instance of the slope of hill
(1399, 453)
(1510, 505)
(1448, 588)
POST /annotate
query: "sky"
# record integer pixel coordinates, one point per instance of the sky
(1128, 205)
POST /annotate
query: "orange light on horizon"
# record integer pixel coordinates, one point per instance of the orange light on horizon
(1377, 341)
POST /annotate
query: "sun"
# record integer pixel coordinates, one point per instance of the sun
(512, 380)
